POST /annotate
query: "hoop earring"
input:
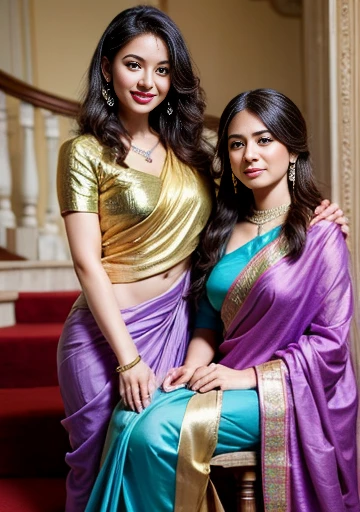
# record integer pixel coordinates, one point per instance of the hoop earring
(291, 174)
(169, 109)
(235, 183)
(106, 92)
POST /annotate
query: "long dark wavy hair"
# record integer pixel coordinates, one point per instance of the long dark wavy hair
(286, 124)
(182, 131)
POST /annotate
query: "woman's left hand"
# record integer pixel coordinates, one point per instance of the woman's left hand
(333, 213)
(217, 376)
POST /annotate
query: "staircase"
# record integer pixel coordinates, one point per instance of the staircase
(32, 441)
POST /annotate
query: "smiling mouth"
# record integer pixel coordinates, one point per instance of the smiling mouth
(142, 97)
(253, 172)
(147, 95)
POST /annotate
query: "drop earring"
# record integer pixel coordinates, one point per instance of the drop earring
(235, 183)
(169, 109)
(106, 92)
(291, 174)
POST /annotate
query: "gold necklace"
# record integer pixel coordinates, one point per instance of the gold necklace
(261, 217)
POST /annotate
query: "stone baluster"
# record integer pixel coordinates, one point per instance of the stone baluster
(52, 135)
(30, 185)
(7, 217)
(51, 243)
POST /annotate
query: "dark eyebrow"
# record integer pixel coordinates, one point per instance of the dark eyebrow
(238, 136)
(137, 57)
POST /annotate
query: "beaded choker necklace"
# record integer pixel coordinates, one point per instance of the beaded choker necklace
(261, 217)
(142, 152)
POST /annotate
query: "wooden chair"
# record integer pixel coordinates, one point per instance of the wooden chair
(243, 465)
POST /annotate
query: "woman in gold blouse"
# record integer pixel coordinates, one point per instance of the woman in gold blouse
(135, 191)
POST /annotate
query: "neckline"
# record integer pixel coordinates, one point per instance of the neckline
(252, 240)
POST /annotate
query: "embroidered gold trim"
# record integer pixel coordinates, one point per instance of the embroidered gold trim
(244, 282)
(274, 435)
(198, 440)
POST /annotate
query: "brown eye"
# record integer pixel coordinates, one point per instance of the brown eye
(265, 140)
(163, 71)
(237, 144)
(132, 65)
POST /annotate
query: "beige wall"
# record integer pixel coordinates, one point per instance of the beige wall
(240, 45)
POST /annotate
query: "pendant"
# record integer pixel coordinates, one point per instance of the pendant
(148, 159)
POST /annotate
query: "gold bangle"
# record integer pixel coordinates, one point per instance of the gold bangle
(121, 369)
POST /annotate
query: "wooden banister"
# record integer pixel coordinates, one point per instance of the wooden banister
(37, 97)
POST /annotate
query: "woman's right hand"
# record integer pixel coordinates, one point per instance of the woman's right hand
(137, 386)
(178, 377)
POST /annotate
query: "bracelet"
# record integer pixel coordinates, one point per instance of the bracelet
(121, 369)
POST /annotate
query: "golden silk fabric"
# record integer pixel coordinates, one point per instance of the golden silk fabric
(148, 223)
(198, 440)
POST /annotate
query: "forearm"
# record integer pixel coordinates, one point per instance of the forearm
(201, 349)
(102, 303)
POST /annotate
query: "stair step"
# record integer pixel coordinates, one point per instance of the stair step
(49, 307)
(33, 443)
(32, 495)
(7, 308)
(28, 355)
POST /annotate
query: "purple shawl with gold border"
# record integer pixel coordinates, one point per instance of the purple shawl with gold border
(291, 320)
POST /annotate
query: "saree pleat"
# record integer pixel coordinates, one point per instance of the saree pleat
(198, 440)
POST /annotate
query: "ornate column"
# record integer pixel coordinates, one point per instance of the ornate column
(332, 85)
(316, 87)
(345, 122)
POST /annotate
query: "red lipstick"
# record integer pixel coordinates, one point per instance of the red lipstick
(142, 97)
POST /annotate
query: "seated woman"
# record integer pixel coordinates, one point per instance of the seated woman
(275, 317)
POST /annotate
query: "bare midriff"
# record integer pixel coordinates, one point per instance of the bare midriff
(132, 294)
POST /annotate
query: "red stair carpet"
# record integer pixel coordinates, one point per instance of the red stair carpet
(32, 441)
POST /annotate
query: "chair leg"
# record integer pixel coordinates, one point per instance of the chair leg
(245, 487)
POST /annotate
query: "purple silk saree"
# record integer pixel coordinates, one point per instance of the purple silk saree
(291, 320)
(90, 385)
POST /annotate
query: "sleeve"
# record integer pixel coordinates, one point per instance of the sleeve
(207, 317)
(77, 183)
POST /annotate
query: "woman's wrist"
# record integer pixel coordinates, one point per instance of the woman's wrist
(250, 375)
(125, 367)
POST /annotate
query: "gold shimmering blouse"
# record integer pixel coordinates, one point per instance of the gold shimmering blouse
(148, 223)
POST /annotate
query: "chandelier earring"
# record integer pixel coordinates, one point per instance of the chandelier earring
(235, 183)
(169, 109)
(291, 174)
(107, 95)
